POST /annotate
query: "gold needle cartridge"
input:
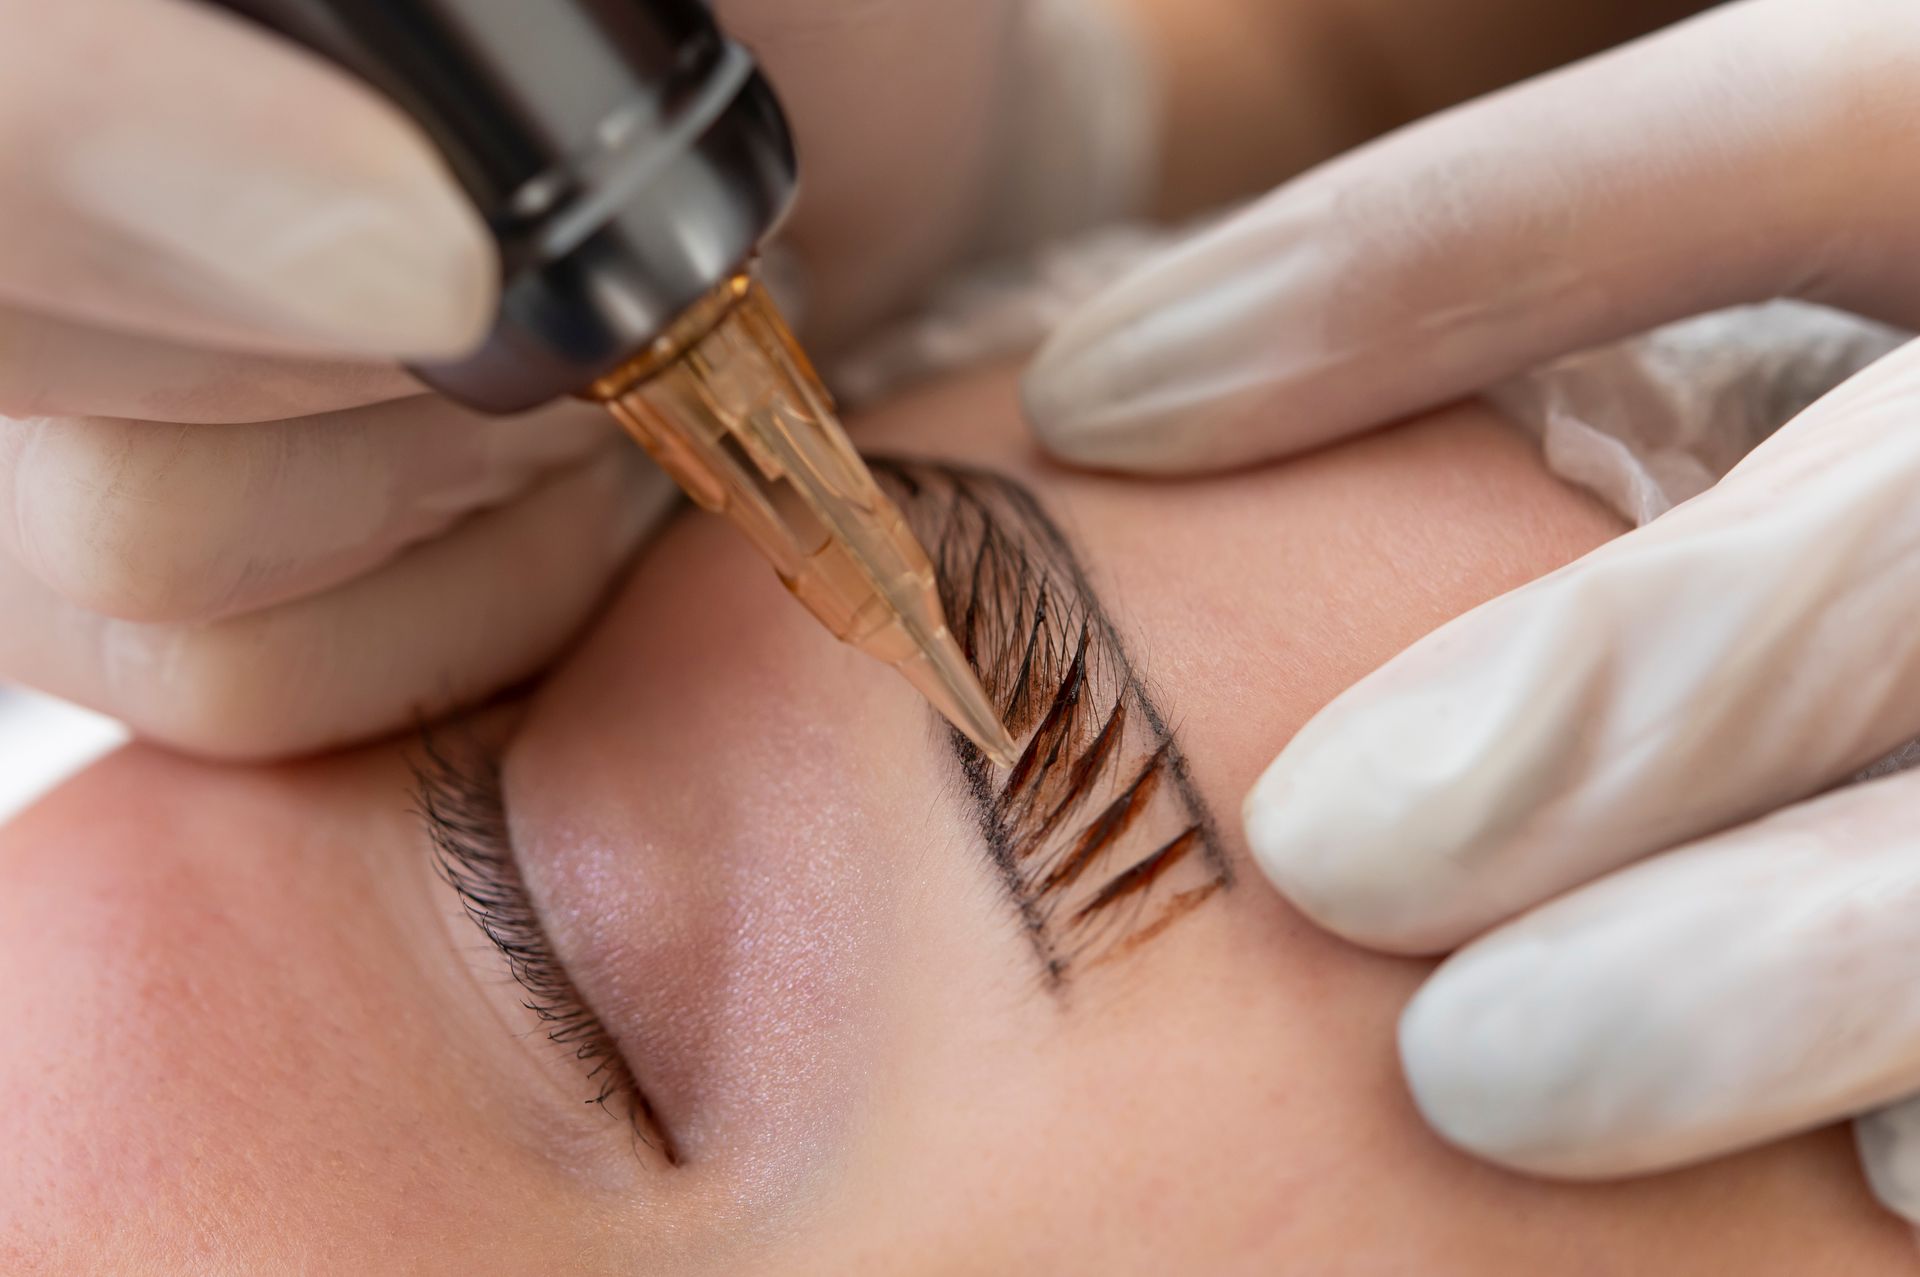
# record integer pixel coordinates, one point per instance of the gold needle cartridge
(621, 165)
(729, 405)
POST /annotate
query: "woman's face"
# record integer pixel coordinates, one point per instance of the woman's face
(847, 1000)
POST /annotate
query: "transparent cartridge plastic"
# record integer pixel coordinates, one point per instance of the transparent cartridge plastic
(729, 405)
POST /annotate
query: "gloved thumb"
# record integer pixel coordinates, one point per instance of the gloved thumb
(170, 170)
(1889, 1142)
(1740, 156)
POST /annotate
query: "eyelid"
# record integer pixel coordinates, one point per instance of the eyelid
(461, 803)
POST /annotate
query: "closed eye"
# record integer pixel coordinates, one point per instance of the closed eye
(1097, 832)
(458, 794)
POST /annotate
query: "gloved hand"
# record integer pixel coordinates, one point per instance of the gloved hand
(225, 516)
(1615, 768)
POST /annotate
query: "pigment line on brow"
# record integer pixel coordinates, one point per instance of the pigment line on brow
(1107, 827)
(1142, 874)
(974, 766)
(1053, 733)
(1034, 635)
(1041, 525)
(1088, 769)
(1046, 787)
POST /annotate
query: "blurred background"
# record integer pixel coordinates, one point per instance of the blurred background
(43, 740)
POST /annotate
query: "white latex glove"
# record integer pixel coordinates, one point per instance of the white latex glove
(1638, 738)
(225, 515)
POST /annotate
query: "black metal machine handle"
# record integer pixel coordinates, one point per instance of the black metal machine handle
(626, 154)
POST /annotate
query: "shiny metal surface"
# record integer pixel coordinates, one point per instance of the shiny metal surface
(627, 155)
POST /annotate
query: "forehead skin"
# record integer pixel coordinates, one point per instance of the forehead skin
(242, 1036)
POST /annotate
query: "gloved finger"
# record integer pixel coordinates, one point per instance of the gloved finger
(54, 367)
(189, 523)
(1757, 151)
(1889, 1143)
(170, 169)
(1758, 983)
(445, 624)
(1742, 651)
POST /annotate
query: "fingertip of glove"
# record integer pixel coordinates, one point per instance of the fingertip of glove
(1889, 1145)
(1502, 1069)
(410, 274)
(1096, 397)
(1055, 391)
(1084, 411)
(1469, 1087)
(1347, 862)
(279, 206)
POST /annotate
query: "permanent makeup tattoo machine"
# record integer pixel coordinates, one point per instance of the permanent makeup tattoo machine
(630, 158)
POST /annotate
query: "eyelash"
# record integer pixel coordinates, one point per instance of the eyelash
(459, 801)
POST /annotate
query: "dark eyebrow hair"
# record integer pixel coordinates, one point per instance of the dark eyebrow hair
(1097, 830)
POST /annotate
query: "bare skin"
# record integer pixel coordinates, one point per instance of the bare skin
(252, 1031)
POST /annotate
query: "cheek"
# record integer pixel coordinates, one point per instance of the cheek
(1199, 1111)
(214, 1068)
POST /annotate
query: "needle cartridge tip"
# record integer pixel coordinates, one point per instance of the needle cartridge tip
(730, 406)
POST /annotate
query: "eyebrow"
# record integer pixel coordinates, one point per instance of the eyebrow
(1097, 830)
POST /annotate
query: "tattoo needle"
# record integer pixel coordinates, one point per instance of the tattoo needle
(729, 405)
